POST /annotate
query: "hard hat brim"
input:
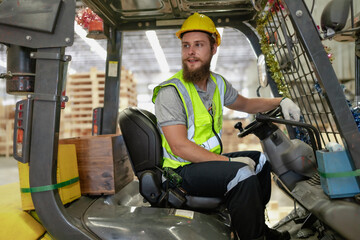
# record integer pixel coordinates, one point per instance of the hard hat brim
(181, 32)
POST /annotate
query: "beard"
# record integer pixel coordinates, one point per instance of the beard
(198, 74)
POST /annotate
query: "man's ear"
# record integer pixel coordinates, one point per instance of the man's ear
(214, 49)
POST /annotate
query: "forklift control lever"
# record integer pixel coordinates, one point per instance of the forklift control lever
(238, 126)
(311, 129)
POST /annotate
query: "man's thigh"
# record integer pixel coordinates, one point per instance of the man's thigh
(208, 179)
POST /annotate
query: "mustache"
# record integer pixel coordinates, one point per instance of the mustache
(192, 58)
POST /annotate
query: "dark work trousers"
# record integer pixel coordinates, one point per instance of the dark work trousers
(245, 194)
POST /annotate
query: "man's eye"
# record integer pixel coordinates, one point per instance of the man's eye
(198, 45)
(185, 45)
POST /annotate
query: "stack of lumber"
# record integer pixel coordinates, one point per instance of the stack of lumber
(128, 92)
(86, 92)
(232, 143)
(7, 113)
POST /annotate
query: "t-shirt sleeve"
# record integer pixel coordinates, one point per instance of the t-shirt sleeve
(230, 94)
(169, 108)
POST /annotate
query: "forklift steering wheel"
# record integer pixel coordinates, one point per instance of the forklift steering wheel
(250, 128)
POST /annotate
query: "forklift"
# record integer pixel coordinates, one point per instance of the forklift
(292, 62)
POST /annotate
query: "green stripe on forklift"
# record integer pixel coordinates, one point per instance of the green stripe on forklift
(49, 187)
(340, 174)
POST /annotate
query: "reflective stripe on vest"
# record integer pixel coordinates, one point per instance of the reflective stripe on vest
(211, 144)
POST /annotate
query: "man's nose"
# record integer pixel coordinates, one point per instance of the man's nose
(191, 50)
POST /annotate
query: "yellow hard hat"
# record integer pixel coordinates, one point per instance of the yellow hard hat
(199, 22)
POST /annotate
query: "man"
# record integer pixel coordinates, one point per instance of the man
(189, 109)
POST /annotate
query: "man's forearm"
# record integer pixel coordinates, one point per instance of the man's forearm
(264, 104)
(194, 153)
(181, 146)
(254, 105)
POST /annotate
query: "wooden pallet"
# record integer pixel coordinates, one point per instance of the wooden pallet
(86, 92)
(6, 137)
(232, 143)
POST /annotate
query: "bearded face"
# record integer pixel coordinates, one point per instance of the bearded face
(196, 74)
(196, 56)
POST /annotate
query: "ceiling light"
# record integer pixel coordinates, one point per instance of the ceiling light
(2, 63)
(71, 70)
(215, 57)
(159, 53)
(94, 46)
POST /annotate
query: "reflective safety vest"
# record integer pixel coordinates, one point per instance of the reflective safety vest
(203, 125)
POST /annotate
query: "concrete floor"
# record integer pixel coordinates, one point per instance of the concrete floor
(279, 206)
(8, 170)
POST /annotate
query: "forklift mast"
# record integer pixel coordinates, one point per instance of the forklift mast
(37, 32)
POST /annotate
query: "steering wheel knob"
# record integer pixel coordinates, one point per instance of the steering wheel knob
(239, 126)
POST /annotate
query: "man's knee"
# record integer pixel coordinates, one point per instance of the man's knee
(247, 189)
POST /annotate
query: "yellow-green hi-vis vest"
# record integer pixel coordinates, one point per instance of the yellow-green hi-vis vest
(199, 120)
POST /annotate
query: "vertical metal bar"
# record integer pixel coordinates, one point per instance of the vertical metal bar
(305, 28)
(44, 147)
(286, 28)
(112, 82)
(316, 105)
(281, 47)
(352, 13)
(268, 28)
(357, 72)
(287, 77)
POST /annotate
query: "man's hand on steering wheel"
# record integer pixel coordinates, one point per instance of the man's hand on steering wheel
(290, 110)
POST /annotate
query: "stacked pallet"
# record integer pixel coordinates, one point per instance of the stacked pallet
(232, 143)
(6, 129)
(86, 92)
(128, 92)
(6, 136)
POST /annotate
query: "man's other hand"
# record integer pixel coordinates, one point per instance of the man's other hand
(290, 110)
(245, 160)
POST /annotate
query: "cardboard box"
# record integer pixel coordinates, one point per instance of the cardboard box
(67, 169)
(333, 169)
(104, 165)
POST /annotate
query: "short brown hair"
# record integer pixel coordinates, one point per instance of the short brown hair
(212, 41)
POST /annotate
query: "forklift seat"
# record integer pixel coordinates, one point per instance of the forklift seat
(143, 142)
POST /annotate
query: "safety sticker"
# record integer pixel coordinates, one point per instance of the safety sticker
(113, 69)
(184, 213)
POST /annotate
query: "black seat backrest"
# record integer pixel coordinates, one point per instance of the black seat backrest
(142, 138)
(143, 142)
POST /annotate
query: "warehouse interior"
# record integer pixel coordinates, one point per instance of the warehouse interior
(235, 61)
(149, 58)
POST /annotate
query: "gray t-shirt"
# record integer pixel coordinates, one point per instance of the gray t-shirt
(169, 108)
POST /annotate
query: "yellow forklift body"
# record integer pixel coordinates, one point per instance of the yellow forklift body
(16, 223)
